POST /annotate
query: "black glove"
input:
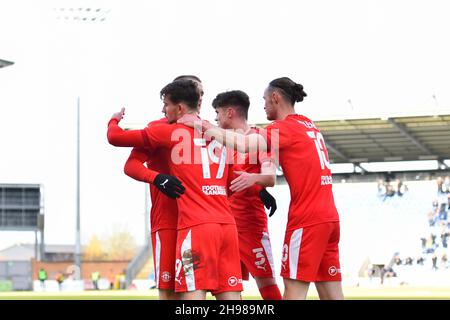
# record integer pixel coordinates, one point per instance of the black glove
(169, 185)
(268, 200)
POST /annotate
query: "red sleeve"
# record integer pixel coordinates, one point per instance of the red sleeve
(265, 156)
(134, 167)
(257, 187)
(276, 137)
(163, 135)
(121, 138)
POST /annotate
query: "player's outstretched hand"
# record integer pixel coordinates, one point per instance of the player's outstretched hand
(193, 121)
(169, 185)
(118, 115)
(189, 120)
(244, 181)
(268, 200)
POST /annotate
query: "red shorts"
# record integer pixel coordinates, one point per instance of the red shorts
(311, 254)
(164, 244)
(256, 254)
(208, 259)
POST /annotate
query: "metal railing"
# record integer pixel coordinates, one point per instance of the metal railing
(136, 265)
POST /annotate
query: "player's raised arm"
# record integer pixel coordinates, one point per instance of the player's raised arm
(121, 138)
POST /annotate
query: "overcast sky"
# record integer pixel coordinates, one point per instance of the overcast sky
(387, 57)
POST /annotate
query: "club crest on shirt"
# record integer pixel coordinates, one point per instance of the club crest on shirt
(166, 276)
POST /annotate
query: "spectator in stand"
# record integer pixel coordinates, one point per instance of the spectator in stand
(444, 260)
(424, 242)
(447, 184)
(371, 271)
(434, 261)
(429, 248)
(443, 191)
(420, 260)
(444, 237)
(447, 190)
(390, 191)
(401, 188)
(432, 215)
(408, 261)
(390, 188)
(433, 240)
(387, 272)
(442, 214)
(440, 184)
(381, 188)
(443, 184)
(397, 260)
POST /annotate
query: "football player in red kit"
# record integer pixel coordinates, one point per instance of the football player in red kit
(251, 220)
(207, 240)
(164, 210)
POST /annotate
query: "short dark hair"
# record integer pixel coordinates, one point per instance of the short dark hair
(291, 91)
(235, 98)
(188, 77)
(182, 91)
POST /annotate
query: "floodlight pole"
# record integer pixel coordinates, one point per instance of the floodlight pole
(79, 17)
(78, 236)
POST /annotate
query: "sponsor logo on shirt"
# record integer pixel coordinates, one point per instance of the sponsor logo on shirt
(326, 180)
(332, 271)
(214, 190)
(233, 281)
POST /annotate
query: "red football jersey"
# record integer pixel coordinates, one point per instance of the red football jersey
(164, 210)
(246, 206)
(304, 160)
(204, 169)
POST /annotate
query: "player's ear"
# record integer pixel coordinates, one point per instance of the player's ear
(275, 97)
(230, 113)
(180, 108)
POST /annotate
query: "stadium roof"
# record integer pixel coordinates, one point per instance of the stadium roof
(391, 139)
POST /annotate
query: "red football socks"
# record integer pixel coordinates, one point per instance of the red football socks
(271, 293)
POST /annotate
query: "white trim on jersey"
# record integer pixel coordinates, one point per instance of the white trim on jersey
(265, 241)
(190, 276)
(294, 251)
(157, 258)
